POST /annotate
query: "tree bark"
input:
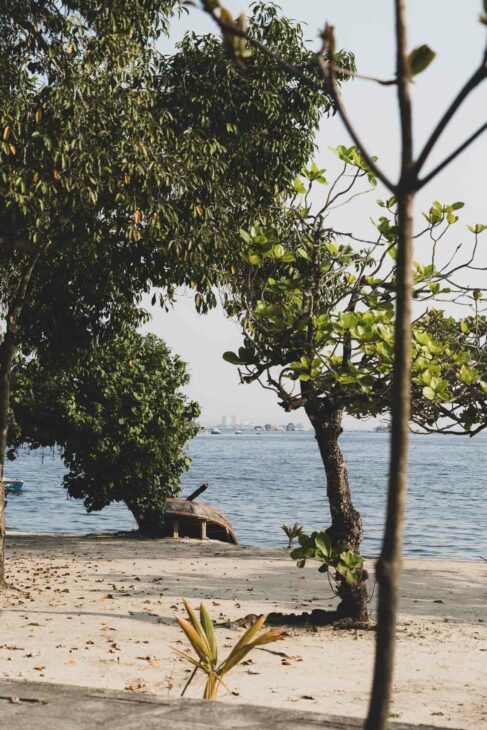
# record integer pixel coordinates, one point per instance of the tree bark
(7, 353)
(150, 520)
(388, 568)
(346, 523)
(8, 349)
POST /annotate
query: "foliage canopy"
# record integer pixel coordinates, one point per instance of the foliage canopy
(317, 311)
(119, 419)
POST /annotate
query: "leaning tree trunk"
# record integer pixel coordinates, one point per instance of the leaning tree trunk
(346, 523)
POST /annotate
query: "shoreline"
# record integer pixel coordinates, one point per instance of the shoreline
(99, 609)
(133, 535)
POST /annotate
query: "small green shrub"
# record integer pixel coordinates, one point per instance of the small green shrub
(337, 561)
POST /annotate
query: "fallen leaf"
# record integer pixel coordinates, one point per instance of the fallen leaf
(137, 686)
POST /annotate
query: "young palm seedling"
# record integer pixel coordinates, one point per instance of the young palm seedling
(201, 635)
(292, 532)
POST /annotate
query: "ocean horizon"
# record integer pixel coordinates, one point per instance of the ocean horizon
(263, 480)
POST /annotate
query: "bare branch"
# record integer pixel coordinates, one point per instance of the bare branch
(477, 77)
(363, 77)
(421, 183)
(328, 74)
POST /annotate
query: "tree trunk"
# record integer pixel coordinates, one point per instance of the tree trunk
(8, 349)
(150, 519)
(7, 353)
(388, 569)
(346, 524)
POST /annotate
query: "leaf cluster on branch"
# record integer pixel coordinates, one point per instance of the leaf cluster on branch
(317, 306)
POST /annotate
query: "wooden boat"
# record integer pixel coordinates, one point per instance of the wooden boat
(13, 486)
(187, 518)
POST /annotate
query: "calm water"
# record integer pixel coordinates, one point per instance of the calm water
(262, 481)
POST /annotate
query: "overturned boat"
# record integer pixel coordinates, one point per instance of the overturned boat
(188, 518)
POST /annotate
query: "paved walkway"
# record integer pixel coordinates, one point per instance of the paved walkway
(28, 705)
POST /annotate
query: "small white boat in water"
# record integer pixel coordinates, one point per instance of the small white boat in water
(215, 430)
(238, 432)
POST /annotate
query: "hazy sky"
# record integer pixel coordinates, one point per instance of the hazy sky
(452, 29)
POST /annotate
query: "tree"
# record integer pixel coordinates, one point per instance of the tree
(113, 179)
(317, 312)
(75, 122)
(410, 180)
(119, 419)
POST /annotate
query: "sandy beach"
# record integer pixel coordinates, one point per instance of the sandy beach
(99, 611)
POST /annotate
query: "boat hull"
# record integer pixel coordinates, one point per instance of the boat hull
(13, 486)
(183, 518)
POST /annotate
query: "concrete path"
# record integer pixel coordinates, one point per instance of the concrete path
(28, 705)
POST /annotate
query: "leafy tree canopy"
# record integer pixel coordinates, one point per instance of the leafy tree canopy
(317, 311)
(131, 168)
(119, 419)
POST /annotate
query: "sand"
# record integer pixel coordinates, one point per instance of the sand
(99, 611)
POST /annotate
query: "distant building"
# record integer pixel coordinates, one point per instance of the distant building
(268, 426)
(290, 427)
(225, 421)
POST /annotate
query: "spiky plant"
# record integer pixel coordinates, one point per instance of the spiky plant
(201, 635)
(292, 532)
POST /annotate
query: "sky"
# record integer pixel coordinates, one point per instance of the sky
(452, 29)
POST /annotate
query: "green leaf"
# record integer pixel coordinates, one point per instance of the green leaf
(299, 187)
(245, 236)
(324, 542)
(305, 540)
(232, 358)
(254, 259)
(429, 393)
(477, 228)
(467, 375)
(278, 250)
(420, 58)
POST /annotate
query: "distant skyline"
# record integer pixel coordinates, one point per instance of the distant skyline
(454, 32)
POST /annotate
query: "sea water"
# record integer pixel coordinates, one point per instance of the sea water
(261, 481)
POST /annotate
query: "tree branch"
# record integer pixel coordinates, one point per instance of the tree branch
(328, 74)
(421, 183)
(476, 78)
